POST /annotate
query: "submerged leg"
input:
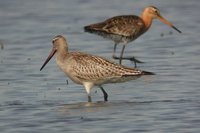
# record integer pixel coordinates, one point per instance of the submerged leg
(88, 86)
(104, 93)
(89, 98)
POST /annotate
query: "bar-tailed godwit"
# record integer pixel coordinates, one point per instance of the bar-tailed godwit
(126, 28)
(89, 70)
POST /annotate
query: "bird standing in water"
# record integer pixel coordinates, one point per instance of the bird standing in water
(89, 70)
(127, 28)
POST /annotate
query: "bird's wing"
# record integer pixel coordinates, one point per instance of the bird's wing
(127, 25)
(89, 67)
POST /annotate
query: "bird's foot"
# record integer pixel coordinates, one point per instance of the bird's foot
(132, 59)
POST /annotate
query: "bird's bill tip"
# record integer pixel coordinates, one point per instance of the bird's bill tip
(176, 29)
(48, 58)
(162, 19)
(148, 73)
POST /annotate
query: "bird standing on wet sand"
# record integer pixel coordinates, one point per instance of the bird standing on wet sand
(124, 29)
(89, 70)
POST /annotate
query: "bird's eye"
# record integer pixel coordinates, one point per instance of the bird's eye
(156, 11)
(53, 41)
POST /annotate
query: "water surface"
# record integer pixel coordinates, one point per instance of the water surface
(34, 101)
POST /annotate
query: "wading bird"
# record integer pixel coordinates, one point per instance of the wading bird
(89, 70)
(127, 28)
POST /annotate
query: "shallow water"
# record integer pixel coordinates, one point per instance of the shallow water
(34, 101)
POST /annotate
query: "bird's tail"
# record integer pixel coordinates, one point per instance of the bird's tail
(94, 27)
(147, 73)
(87, 28)
(141, 73)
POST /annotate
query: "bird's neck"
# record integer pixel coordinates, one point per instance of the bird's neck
(147, 19)
(61, 54)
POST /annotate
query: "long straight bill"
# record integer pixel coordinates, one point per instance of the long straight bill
(48, 59)
(168, 23)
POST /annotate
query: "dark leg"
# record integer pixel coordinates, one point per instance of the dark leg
(89, 98)
(121, 55)
(125, 58)
(114, 50)
(104, 93)
(131, 59)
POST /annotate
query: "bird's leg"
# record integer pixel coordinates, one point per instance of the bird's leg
(121, 55)
(125, 58)
(114, 50)
(89, 98)
(88, 86)
(104, 93)
(131, 59)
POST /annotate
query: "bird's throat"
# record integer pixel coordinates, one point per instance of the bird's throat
(147, 19)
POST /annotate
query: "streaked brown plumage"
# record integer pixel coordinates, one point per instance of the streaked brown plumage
(121, 29)
(89, 70)
(124, 29)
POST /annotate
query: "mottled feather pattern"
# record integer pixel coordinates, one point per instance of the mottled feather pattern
(93, 67)
(126, 25)
(89, 70)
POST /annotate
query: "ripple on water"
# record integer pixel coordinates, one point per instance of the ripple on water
(34, 101)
